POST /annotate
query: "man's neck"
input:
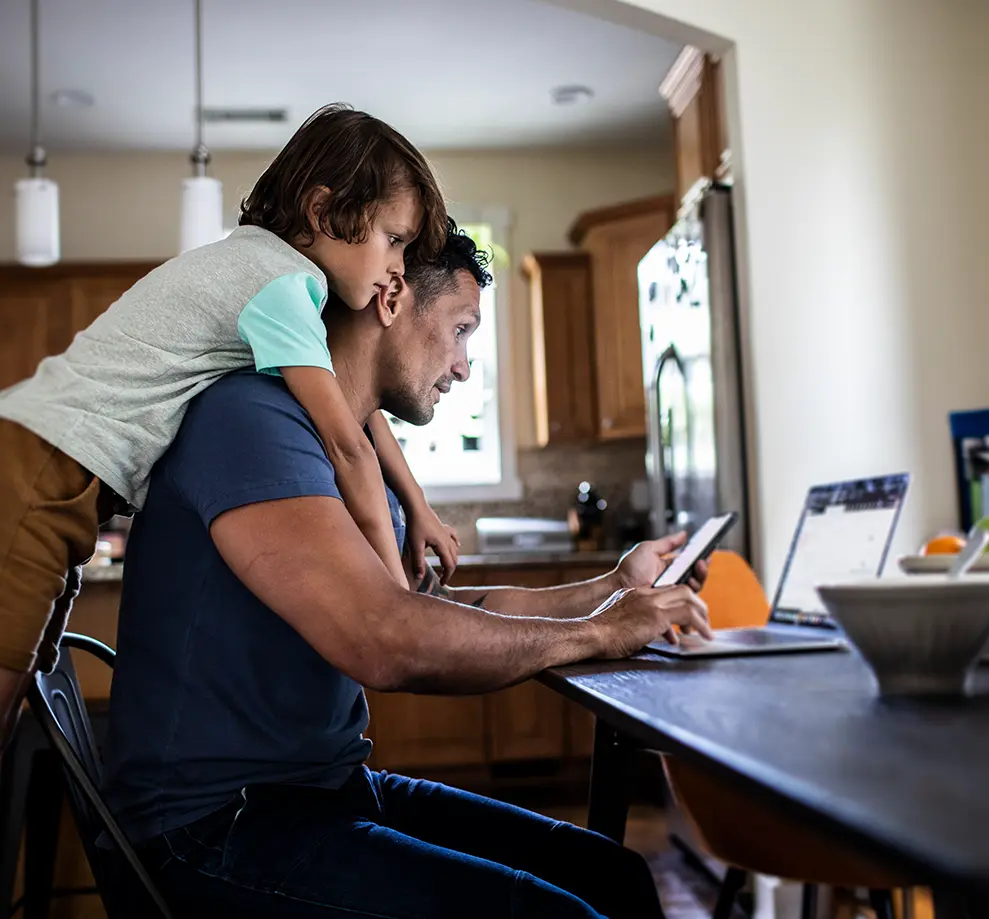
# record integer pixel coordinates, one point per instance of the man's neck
(354, 366)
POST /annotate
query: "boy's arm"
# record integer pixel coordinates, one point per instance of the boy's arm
(353, 457)
(424, 527)
(282, 326)
(393, 464)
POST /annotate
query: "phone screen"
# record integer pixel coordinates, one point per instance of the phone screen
(698, 547)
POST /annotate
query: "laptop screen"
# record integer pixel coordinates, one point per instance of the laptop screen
(844, 534)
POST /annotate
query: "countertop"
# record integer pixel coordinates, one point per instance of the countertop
(104, 573)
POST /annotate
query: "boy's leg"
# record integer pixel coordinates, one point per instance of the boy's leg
(614, 880)
(311, 852)
(48, 525)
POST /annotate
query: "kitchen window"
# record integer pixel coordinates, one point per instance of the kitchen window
(467, 452)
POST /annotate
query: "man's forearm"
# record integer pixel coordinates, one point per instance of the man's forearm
(568, 601)
(453, 648)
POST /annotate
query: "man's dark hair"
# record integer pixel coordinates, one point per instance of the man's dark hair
(431, 279)
(364, 162)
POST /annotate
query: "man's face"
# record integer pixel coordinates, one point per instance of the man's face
(428, 349)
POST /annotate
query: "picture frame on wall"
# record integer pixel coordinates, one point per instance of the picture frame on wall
(970, 439)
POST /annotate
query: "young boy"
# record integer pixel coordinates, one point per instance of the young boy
(336, 211)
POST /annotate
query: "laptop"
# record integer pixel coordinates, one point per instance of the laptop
(844, 534)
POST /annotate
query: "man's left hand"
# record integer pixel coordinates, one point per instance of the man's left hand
(641, 565)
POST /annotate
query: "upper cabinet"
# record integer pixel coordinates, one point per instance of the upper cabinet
(616, 239)
(694, 90)
(41, 309)
(560, 300)
(586, 339)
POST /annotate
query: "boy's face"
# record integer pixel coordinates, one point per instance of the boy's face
(356, 271)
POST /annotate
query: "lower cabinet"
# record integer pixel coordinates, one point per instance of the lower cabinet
(525, 722)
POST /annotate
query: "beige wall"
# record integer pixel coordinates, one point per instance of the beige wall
(860, 128)
(126, 206)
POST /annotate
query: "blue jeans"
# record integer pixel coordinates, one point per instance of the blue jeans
(390, 847)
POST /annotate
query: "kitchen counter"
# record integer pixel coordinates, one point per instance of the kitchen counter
(518, 559)
(105, 573)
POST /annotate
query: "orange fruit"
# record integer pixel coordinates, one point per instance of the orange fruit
(944, 545)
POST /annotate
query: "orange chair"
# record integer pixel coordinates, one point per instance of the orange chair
(748, 835)
(734, 596)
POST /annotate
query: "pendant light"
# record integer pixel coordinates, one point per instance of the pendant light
(36, 197)
(202, 196)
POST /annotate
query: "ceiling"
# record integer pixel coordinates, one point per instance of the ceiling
(451, 74)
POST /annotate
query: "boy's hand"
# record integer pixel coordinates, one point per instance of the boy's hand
(424, 528)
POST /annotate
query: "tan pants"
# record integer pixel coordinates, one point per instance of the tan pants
(50, 511)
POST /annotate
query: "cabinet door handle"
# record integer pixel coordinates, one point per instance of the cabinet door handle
(555, 427)
(607, 423)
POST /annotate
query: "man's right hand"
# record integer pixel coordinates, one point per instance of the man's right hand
(629, 619)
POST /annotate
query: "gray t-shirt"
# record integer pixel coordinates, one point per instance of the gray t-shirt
(114, 400)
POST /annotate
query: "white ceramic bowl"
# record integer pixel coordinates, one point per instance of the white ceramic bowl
(920, 635)
(939, 564)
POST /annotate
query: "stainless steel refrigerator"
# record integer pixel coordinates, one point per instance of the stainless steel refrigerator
(691, 360)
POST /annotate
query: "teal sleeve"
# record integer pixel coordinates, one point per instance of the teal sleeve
(282, 324)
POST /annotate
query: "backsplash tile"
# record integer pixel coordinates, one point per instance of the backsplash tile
(550, 477)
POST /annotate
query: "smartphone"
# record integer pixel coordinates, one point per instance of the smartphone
(698, 548)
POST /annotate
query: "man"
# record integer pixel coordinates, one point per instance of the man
(252, 614)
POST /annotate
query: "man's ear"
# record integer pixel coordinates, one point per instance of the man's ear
(316, 200)
(392, 302)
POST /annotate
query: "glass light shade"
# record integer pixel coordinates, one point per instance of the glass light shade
(202, 212)
(36, 210)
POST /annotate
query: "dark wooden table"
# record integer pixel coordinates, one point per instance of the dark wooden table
(908, 780)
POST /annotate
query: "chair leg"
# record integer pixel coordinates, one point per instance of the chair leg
(15, 779)
(808, 907)
(44, 813)
(881, 902)
(734, 881)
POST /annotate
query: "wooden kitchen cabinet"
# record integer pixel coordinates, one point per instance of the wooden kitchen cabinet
(26, 311)
(41, 309)
(616, 238)
(526, 721)
(563, 369)
(694, 90)
(421, 732)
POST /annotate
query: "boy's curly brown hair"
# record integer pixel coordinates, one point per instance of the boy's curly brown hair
(364, 162)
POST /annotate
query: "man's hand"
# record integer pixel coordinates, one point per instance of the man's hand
(643, 564)
(629, 619)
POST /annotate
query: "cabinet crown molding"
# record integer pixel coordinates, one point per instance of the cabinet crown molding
(683, 80)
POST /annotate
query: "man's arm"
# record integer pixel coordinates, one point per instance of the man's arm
(638, 568)
(307, 561)
(568, 601)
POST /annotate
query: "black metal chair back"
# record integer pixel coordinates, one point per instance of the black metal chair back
(57, 704)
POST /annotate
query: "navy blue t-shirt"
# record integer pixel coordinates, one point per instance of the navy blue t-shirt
(212, 690)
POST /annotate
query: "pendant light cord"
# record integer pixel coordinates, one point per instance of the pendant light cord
(200, 153)
(36, 155)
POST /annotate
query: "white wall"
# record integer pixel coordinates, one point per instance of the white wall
(860, 128)
(126, 206)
